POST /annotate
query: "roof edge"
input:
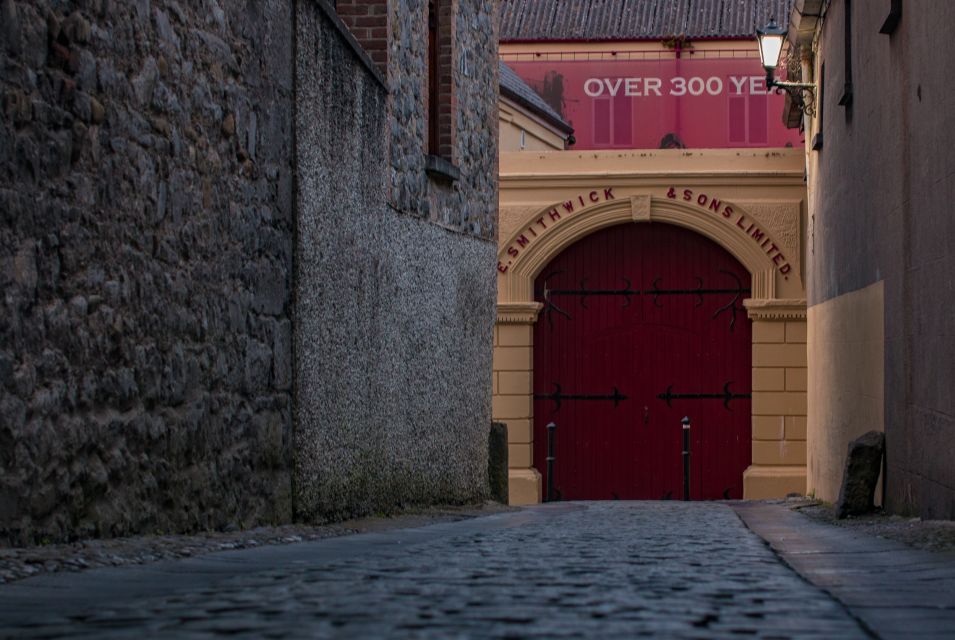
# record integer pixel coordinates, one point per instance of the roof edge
(739, 38)
(551, 120)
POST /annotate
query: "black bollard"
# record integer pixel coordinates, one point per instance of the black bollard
(686, 457)
(551, 437)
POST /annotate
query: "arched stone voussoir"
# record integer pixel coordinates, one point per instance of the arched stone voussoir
(536, 248)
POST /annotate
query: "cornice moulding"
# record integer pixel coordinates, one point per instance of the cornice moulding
(518, 312)
(775, 309)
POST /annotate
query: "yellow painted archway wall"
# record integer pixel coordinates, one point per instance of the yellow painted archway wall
(751, 202)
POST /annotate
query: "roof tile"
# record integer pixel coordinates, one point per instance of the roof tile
(543, 20)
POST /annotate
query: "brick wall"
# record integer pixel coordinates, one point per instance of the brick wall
(368, 22)
(447, 100)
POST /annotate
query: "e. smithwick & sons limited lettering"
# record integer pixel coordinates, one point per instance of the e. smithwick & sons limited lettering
(553, 215)
(710, 204)
(748, 226)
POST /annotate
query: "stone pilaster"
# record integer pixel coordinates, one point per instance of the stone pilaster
(513, 404)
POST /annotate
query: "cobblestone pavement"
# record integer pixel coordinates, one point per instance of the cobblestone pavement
(618, 569)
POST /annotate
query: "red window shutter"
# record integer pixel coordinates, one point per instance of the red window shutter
(737, 115)
(623, 121)
(602, 121)
(758, 120)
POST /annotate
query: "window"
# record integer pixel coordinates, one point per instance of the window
(748, 119)
(622, 121)
(441, 102)
(613, 121)
(433, 84)
(602, 124)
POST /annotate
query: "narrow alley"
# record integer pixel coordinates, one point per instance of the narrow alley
(607, 569)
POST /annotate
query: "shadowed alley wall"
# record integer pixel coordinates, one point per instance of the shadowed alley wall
(146, 221)
(149, 213)
(395, 304)
(880, 253)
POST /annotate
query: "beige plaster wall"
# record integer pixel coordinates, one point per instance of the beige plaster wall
(538, 136)
(846, 391)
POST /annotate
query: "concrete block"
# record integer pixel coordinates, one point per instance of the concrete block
(515, 382)
(768, 427)
(508, 407)
(796, 332)
(519, 455)
(779, 355)
(515, 335)
(779, 453)
(768, 332)
(769, 379)
(773, 403)
(512, 359)
(796, 379)
(861, 474)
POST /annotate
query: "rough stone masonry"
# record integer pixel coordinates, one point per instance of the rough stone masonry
(145, 255)
(148, 223)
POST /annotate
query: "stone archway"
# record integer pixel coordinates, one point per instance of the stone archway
(550, 230)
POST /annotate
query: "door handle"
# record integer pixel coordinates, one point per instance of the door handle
(646, 415)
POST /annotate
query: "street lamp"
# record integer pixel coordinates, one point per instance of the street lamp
(770, 39)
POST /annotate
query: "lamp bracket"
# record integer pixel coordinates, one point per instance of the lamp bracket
(804, 93)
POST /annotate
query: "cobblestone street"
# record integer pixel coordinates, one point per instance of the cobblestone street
(477, 319)
(615, 569)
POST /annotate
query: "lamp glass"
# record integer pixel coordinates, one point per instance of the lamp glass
(770, 46)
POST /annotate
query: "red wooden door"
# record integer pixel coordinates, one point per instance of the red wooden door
(642, 325)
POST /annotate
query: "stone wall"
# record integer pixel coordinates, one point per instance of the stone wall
(146, 216)
(394, 293)
(469, 205)
(161, 163)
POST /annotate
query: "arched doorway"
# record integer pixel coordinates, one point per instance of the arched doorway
(641, 325)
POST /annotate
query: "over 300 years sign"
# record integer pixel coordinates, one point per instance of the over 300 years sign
(676, 86)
